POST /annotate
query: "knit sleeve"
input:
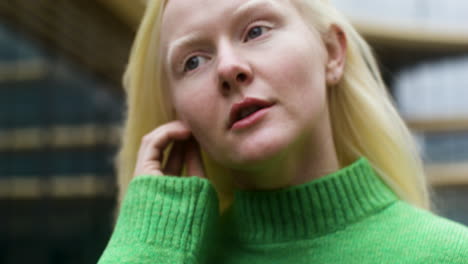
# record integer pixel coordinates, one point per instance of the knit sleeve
(164, 219)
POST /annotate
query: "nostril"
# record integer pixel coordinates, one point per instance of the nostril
(226, 86)
(241, 77)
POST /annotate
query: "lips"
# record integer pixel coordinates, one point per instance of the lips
(245, 108)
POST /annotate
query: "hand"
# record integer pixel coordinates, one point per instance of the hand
(185, 150)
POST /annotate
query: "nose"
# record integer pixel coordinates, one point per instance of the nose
(234, 70)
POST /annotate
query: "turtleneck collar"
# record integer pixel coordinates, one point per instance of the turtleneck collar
(309, 210)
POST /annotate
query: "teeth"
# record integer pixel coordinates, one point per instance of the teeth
(248, 111)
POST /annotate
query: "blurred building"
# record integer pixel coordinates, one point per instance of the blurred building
(61, 105)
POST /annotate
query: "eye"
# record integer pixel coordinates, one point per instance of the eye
(256, 32)
(193, 62)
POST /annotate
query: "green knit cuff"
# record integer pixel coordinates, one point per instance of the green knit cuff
(168, 212)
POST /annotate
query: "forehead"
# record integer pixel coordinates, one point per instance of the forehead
(177, 9)
(181, 15)
(187, 8)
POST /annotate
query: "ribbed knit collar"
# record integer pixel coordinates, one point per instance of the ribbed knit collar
(309, 210)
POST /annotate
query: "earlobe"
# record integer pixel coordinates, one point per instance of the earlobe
(335, 43)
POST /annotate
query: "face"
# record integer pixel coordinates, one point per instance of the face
(226, 59)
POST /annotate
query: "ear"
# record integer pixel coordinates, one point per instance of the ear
(336, 44)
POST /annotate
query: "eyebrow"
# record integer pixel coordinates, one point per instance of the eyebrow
(181, 42)
(193, 37)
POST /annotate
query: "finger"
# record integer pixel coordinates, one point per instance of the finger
(175, 161)
(150, 155)
(160, 138)
(194, 159)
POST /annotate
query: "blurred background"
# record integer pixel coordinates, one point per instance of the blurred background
(62, 105)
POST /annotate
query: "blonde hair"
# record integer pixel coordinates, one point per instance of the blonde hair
(364, 120)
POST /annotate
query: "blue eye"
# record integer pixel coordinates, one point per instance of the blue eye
(255, 32)
(193, 62)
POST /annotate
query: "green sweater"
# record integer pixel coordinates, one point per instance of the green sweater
(349, 216)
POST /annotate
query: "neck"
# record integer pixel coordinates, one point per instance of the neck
(309, 158)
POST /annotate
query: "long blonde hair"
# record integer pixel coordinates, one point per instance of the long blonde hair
(364, 119)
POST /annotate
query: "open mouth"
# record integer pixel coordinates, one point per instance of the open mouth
(246, 110)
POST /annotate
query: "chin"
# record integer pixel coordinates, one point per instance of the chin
(258, 152)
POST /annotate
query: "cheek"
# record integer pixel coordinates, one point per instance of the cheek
(198, 109)
(296, 62)
(303, 87)
(190, 105)
(302, 79)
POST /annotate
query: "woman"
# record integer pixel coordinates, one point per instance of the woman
(278, 110)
